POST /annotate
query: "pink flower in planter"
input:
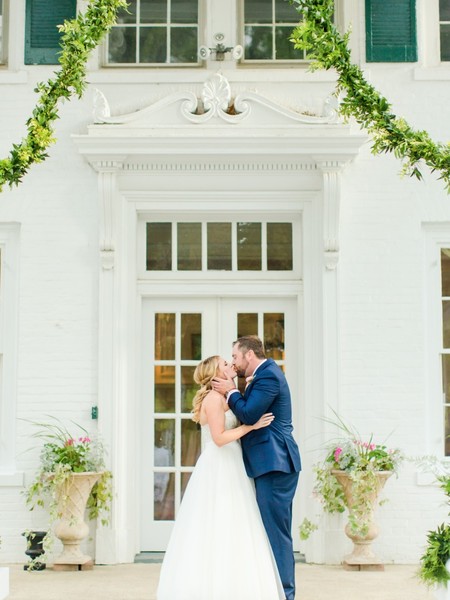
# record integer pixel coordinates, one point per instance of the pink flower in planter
(337, 453)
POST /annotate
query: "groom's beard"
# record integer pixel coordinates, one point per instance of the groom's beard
(240, 372)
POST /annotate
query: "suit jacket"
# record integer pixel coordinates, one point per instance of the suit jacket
(271, 448)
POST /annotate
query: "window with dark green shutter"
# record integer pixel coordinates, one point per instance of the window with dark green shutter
(41, 29)
(391, 31)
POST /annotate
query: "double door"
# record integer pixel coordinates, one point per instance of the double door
(176, 335)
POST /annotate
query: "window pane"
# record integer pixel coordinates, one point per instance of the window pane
(127, 15)
(164, 496)
(190, 443)
(159, 246)
(191, 336)
(184, 481)
(164, 442)
(249, 246)
(188, 388)
(164, 336)
(258, 11)
(274, 335)
(447, 431)
(184, 11)
(446, 324)
(183, 45)
(164, 389)
(446, 377)
(1, 31)
(286, 13)
(444, 10)
(279, 246)
(153, 11)
(189, 236)
(445, 42)
(247, 324)
(445, 272)
(219, 246)
(258, 43)
(153, 45)
(122, 45)
(284, 49)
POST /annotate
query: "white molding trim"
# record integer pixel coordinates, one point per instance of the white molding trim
(9, 242)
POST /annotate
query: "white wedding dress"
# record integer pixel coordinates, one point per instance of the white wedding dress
(219, 549)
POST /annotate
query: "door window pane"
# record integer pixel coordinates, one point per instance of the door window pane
(164, 442)
(184, 481)
(183, 45)
(164, 389)
(164, 336)
(184, 11)
(188, 388)
(279, 247)
(164, 496)
(446, 323)
(159, 246)
(447, 430)
(247, 324)
(274, 335)
(191, 336)
(189, 247)
(445, 272)
(444, 19)
(249, 246)
(219, 246)
(190, 443)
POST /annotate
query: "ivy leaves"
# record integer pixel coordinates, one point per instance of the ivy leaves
(79, 37)
(328, 49)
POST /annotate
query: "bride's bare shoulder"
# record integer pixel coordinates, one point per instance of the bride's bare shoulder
(213, 399)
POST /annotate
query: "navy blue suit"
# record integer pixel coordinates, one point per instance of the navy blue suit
(272, 458)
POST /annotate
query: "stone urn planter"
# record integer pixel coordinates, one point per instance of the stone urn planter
(35, 549)
(71, 529)
(362, 556)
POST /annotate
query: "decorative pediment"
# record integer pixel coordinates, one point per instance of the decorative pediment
(216, 104)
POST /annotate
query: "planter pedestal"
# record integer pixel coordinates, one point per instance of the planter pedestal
(72, 529)
(362, 557)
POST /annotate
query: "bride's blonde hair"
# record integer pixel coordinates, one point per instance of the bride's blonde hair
(203, 375)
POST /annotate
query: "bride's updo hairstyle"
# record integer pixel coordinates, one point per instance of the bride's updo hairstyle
(203, 375)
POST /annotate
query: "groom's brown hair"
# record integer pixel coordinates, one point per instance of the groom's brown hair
(251, 342)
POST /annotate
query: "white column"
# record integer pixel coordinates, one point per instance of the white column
(112, 541)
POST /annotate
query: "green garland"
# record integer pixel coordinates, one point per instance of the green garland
(80, 37)
(328, 49)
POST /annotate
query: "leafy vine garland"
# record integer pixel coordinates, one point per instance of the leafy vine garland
(80, 37)
(328, 48)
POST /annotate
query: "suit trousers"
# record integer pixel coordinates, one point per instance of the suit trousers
(274, 493)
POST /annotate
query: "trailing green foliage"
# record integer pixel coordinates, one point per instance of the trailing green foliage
(80, 37)
(328, 49)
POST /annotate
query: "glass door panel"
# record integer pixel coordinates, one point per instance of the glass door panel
(177, 334)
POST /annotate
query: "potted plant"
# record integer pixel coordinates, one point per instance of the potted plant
(350, 478)
(72, 478)
(435, 561)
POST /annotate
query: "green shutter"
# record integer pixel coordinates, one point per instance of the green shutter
(391, 31)
(41, 32)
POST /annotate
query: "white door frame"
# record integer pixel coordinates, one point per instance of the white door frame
(217, 338)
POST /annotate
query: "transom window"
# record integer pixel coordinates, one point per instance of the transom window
(155, 32)
(445, 350)
(219, 246)
(444, 26)
(268, 25)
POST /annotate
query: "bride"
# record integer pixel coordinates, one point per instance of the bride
(219, 549)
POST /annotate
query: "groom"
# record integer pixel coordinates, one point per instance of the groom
(271, 455)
